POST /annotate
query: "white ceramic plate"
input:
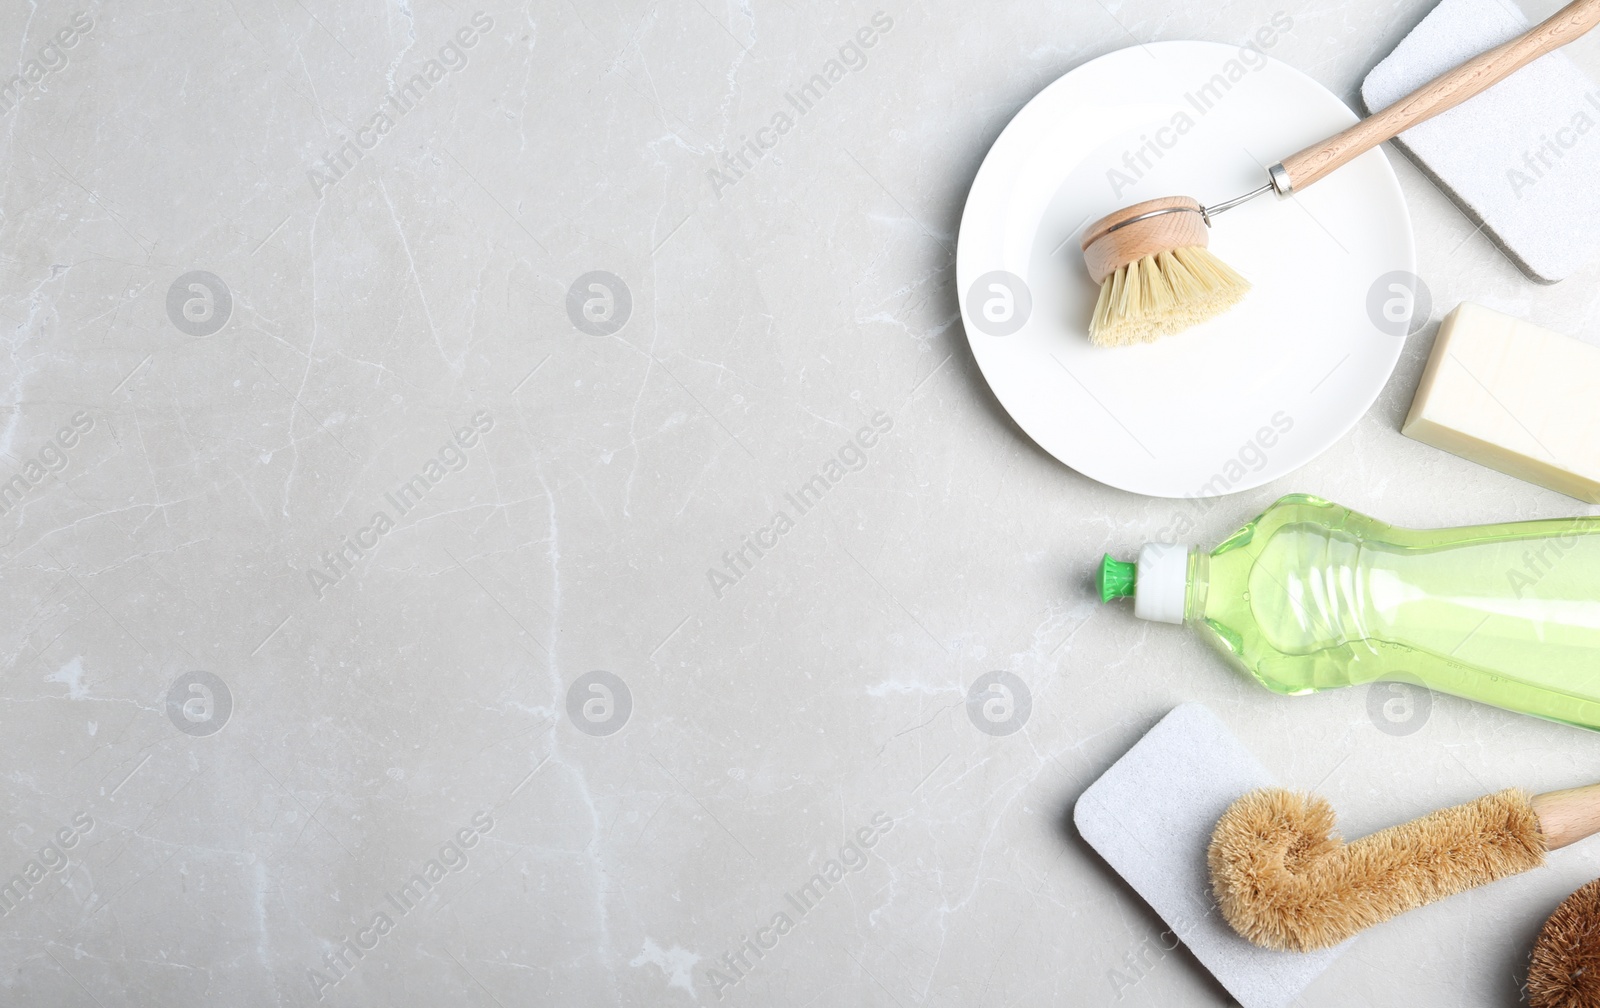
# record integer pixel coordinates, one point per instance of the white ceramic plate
(1250, 395)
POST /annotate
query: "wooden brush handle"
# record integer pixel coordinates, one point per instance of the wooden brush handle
(1565, 817)
(1441, 94)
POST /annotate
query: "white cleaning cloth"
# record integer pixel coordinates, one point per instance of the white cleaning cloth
(1151, 816)
(1521, 158)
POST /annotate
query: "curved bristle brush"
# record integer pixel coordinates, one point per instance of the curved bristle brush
(1284, 880)
(1565, 972)
(1155, 273)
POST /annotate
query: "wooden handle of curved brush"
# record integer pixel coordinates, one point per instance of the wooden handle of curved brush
(1565, 817)
(1442, 93)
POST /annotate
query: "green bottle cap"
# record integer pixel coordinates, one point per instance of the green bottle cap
(1115, 579)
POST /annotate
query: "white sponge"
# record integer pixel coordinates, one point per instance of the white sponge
(1151, 816)
(1522, 157)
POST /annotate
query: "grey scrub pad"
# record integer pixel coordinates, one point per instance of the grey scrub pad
(1522, 157)
(1151, 816)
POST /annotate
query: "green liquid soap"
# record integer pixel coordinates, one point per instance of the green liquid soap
(1310, 596)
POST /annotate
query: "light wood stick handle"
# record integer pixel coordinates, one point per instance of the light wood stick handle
(1441, 94)
(1565, 817)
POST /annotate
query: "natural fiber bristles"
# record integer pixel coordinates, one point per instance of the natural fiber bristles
(1163, 293)
(1566, 957)
(1284, 879)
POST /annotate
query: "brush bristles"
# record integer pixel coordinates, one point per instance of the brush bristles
(1163, 293)
(1565, 972)
(1284, 880)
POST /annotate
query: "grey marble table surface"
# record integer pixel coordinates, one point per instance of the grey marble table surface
(487, 517)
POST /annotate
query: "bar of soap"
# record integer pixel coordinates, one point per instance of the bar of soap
(1515, 397)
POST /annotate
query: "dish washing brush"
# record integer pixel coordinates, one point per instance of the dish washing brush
(1284, 880)
(1151, 260)
(1565, 972)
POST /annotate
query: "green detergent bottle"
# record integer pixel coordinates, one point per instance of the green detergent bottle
(1312, 595)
